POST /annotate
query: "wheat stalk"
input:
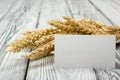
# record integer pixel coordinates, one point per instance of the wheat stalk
(41, 52)
(42, 40)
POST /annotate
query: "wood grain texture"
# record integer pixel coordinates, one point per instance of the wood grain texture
(45, 69)
(19, 15)
(109, 12)
(113, 3)
(52, 10)
(84, 9)
(23, 16)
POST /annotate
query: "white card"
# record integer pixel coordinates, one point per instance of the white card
(85, 51)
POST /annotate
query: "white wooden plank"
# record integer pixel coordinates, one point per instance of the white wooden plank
(5, 7)
(77, 74)
(44, 69)
(13, 67)
(7, 29)
(109, 12)
(83, 9)
(23, 16)
(113, 3)
(19, 20)
(116, 1)
(8, 7)
(52, 10)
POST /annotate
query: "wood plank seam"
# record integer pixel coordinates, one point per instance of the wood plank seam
(116, 2)
(25, 76)
(26, 71)
(100, 11)
(97, 76)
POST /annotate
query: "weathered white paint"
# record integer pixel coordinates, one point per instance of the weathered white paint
(19, 15)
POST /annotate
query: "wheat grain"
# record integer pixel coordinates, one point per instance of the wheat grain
(41, 52)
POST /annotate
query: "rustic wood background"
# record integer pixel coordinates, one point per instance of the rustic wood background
(19, 15)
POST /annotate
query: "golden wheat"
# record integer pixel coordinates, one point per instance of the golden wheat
(42, 40)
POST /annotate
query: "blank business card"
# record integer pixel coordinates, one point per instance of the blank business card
(85, 51)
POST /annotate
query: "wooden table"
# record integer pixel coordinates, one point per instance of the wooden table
(19, 15)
